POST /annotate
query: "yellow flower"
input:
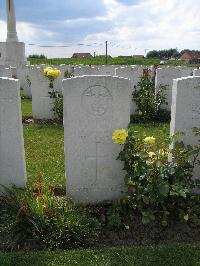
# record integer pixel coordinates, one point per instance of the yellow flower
(119, 136)
(163, 153)
(149, 140)
(49, 72)
(46, 70)
(151, 154)
(186, 217)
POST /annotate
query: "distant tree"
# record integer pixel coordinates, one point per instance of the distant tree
(188, 50)
(163, 54)
(36, 56)
(153, 54)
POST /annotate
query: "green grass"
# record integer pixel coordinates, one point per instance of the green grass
(179, 255)
(26, 107)
(158, 130)
(44, 148)
(102, 61)
(95, 61)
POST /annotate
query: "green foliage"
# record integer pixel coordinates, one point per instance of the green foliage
(158, 188)
(168, 53)
(122, 60)
(53, 221)
(96, 61)
(58, 104)
(164, 53)
(149, 102)
(68, 74)
(36, 56)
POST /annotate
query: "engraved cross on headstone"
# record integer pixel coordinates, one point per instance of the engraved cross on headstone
(97, 156)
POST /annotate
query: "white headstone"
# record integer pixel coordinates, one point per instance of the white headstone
(86, 70)
(165, 76)
(42, 104)
(134, 74)
(107, 70)
(12, 158)
(196, 72)
(25, 80)
(186, 110)
(5, 72)
(94, 106)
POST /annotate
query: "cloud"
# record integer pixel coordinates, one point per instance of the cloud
(27, 32)
(152, 24)
(130, 26)
(48, 10)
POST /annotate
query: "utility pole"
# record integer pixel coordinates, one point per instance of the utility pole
(94, 55)
(106, 52)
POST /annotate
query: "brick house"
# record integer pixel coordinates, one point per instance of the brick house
(191, 57)
(82, 55)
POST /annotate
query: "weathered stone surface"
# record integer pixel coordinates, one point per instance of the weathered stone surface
(12, 158)
(42, 104)
(5, 72)
(134, 74)
(106, 70)
(196, 72)
(94, 106)
(165, 76)
(186, 110)
(86, 70)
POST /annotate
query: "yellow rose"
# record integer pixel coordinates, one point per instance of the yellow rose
(163, 153)
(149, 140)
(151, 154)
(119, 136)
(49, 72)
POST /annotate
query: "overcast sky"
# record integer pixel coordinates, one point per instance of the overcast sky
(130, 26)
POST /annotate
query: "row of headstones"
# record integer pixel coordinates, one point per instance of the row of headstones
(42, 104)
(165, 76)
(94, 106)
(36, 86)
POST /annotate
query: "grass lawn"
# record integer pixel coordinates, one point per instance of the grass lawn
(183, 255)
(44, 149)
(102, 61)
(26, 107)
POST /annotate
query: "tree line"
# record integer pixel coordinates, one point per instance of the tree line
(165, 54)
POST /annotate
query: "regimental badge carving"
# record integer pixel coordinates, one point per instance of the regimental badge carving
(96, 100)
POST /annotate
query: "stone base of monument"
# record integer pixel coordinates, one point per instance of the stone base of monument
(12, 54)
